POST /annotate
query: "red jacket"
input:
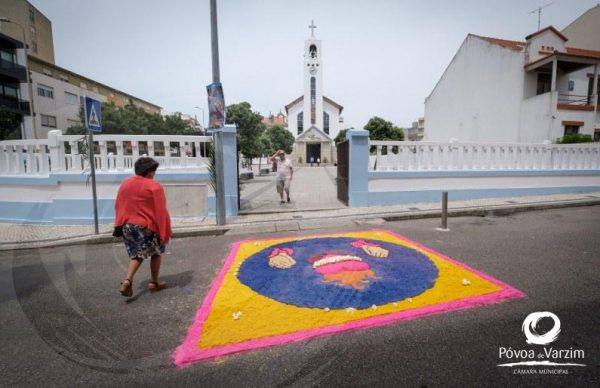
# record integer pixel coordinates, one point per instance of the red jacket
(141, 201)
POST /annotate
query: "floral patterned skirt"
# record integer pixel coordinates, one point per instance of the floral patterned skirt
(141, 242)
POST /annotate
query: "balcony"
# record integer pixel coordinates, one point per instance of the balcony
(14, 105)
(13, 70)
(575, 102)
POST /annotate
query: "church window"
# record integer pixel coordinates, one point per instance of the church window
(300, 121)
(313, 100)
(326, 123)
(313, 51)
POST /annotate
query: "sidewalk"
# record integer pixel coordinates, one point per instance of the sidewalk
(312, 188)
(18, 236)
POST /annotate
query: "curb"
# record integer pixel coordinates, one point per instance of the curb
(315, 223)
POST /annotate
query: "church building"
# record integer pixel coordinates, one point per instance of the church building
(313, 119)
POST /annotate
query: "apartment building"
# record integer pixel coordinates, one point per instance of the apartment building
(30, 69)
(58, 94)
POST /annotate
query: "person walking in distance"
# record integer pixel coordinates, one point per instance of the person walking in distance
(285, 173)
(142, 219)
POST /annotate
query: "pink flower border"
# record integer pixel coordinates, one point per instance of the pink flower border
(188, 352)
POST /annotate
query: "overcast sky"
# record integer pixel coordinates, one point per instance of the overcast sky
(380, 57)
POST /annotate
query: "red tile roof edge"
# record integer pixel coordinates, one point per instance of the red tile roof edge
(549, 28)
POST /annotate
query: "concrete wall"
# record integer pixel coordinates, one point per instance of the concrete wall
(67, 198)
(478, 95)
(38, 32)
(584, 31)
(536, 122)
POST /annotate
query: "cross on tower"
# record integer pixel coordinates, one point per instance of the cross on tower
(312, 28)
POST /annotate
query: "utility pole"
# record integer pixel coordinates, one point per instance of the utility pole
(217, 135)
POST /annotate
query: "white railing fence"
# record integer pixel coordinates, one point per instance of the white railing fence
(111, 153)
(24, 157)
(421, 156)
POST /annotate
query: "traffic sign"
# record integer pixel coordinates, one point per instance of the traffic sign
(93, 115)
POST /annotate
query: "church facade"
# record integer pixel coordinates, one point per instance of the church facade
(313, 118)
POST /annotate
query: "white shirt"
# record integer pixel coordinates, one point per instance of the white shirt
(283, 168)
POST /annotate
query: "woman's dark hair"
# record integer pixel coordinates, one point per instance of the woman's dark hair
(144, 165)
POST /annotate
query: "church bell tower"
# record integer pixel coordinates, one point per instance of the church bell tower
(313, 82)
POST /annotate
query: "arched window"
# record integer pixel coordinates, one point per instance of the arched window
(300, 121)
(312, 50)
(326, 123)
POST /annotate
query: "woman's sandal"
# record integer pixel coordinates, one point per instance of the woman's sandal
(156, 286)
(126, 287)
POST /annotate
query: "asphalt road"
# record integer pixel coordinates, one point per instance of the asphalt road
(63, 322)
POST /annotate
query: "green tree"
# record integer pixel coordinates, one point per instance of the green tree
(249, 128)
(341, 136)
(264, 148)
(280, 138)
(10, 125)
(380, 129)
(132, 120)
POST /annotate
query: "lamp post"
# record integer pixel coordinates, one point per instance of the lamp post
(30, 89)
(203, 127)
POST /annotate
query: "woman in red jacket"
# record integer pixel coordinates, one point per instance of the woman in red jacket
(141, 211)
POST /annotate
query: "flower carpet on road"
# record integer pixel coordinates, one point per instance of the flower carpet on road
(275, 291)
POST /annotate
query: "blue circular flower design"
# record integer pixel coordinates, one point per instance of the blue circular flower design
(404, 273)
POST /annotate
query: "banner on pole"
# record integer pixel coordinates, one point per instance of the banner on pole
(216, 105)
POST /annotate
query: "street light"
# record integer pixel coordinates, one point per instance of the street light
(202, 109)
(7, 20)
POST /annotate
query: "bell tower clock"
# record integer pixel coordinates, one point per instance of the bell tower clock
(313, 85)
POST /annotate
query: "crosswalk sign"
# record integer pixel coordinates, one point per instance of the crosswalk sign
(93, 115)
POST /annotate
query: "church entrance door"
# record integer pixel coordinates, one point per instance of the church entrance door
(313, 150)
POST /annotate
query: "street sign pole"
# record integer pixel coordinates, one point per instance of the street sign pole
(93, 172)
(93, 122)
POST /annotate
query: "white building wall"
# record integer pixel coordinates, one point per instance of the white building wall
(536, 122)
(57, 106)
(478, 97)
(547, 38)
(292, 119)
(334, 119)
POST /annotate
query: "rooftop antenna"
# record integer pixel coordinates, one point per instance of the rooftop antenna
(538, 10)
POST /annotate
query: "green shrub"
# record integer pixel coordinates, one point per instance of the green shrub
(325, 160)
(575, 138)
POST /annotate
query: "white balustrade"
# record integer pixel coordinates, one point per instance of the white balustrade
(425, 156)
(62, 153)
(24, 157)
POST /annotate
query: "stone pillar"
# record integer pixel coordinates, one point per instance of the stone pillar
(56, 157)
(358, 167)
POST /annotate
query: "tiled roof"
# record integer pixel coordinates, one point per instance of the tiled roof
(549, 28)
(511, 44)
(583, 52)
(519, 46)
